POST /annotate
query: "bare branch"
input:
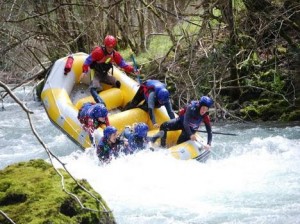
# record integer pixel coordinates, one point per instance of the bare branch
(6, 217)
(15, 98)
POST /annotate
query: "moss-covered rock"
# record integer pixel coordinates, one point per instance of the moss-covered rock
(31, 192)
(291, 116)
(264, 109)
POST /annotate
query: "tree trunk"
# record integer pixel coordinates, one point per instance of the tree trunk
(228, 17)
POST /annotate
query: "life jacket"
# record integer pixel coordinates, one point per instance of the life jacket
(182, 110)
(103, 65)
(195, 118)
(152, 85)
(86, 112)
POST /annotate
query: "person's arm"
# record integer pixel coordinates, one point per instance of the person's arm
(96, 55)
(151, 105)
(122, 63)
(85, 67)
(169, 109)
(206, 121)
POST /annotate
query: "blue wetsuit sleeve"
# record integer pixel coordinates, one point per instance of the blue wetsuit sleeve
(151, 105)
(88, 61)
(168, 107)
(123, 63)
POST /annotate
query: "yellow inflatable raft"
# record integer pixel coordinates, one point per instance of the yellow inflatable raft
(63, 95)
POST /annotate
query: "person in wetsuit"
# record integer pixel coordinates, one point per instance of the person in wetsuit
(110, 145)
(102, 59)
(92, 116)
(154, 94)
(189, 120)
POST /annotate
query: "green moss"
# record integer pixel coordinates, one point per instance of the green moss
(265, 109)
(250, 112)
(32, 193)
(291, 116)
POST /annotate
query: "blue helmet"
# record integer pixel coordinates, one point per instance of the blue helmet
(206, 101)
(141, 129)
(108, 131)
(163, 95)
(100, 111)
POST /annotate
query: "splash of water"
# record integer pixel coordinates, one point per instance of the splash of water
(155, 186)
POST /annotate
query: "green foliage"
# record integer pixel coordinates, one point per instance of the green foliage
(32, 193)
(239, 5)
(265, 109)
(291, 116)
(158, 47)
(270, 80)
(187, 28)
(250, 112)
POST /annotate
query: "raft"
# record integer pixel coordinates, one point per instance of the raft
(64, 94)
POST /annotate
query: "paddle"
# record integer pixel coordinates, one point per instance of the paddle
(202, 157)
(219, 133)
(200, 144)
(135, 65)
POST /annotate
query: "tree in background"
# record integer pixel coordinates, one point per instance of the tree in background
(229, 49)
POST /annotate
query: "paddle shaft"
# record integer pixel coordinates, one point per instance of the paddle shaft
(135, 66)
(219, 133)
(200, 144)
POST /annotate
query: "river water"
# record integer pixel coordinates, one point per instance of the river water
(250, 178)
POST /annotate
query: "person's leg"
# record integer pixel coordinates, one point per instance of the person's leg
(96, 83)
(96, 87)
(96, 97)
(111, 80)
(144, 106)
(138, 97)
(156, 136)
(170, 125)
(183, 137)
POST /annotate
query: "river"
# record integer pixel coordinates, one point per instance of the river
(250, 178)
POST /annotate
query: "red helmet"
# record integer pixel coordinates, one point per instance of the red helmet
(110, 41)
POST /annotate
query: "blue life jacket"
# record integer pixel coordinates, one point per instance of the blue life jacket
(87, 110)
(152, 85)
(136, 143)
(195, 117)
